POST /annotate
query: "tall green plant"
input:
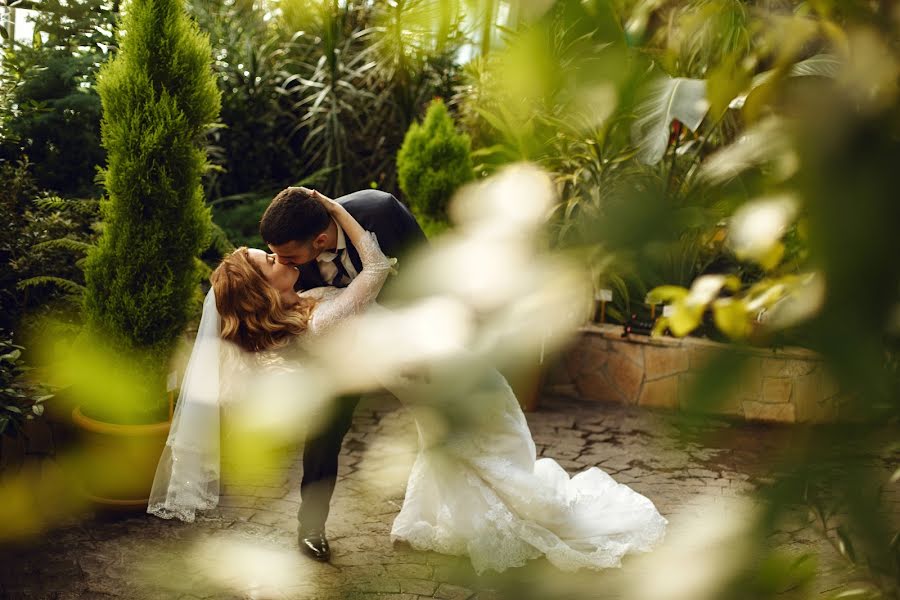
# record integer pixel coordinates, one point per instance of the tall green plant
(49, 109)
(159, 96)
(329, 57)
(253, 148)
(360, 73)
(415, 44)
(433, 162)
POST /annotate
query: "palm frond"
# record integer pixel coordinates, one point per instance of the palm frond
(764, 142)
(821, 65)
(667, 99)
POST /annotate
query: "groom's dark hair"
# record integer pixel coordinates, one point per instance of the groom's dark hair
(293, 215)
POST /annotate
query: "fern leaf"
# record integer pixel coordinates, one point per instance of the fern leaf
(81, 206)
(66, 285)
(63, 244)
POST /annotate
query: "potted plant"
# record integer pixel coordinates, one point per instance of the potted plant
(159, 97)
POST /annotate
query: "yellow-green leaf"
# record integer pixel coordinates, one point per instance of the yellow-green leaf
(684, 319)
(660, 326)
(731, 318)
(772, 257)
(667, 294)
(732, 283)
(724, 84)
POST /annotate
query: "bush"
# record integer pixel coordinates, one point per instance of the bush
(159, 97)
(57, 123)
(49, 108)
(15, 197)
(432, 228)
(240, 220)
(20, 399)
(41, 279)
(433, 162)
(254, 146)
(56, 235)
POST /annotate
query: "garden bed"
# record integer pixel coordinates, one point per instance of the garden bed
(788, 385)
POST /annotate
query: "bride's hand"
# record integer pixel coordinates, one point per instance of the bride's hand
(329, 204)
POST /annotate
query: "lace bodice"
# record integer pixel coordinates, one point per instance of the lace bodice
(336, 304)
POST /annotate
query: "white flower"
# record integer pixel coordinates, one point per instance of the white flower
(759, 225)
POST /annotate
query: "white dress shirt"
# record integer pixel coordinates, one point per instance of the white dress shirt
(327, 268)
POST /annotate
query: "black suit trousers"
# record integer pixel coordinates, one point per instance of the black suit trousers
(320, 464)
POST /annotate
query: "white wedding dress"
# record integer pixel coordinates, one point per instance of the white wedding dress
(480, 491)
(476, 490)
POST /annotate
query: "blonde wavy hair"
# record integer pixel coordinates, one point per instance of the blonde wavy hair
(253, 314)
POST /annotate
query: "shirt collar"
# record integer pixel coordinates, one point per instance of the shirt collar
(341, 244)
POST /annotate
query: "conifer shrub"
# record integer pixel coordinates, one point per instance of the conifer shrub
(159, 98)
(433, 162)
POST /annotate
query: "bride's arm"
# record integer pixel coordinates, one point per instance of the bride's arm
(363, 290)
(352, 229)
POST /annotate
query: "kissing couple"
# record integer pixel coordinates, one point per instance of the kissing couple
(476, 489)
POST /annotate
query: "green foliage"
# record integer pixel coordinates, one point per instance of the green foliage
(565, 94)
(554, 73)
(219, 244)
(59, 233)
(57, 124)
(41, 257)
(821, 131)
(432, 227)
(415, 43)
(15, 198)
(361, 72)
(708, 33)
(689, 101)
(159, 97)
(20, 398)
(254, 148)
(642, 236)
(329, 61)
(66, 285)
(238, 216)
(51, 111)
(433, 162)
(476, 91)
(802, 101)
(76, 25)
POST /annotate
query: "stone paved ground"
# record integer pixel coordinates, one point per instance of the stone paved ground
(139, 557)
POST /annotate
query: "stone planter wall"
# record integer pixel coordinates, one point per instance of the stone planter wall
(788, 385)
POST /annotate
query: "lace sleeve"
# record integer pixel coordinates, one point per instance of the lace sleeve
(361, 292)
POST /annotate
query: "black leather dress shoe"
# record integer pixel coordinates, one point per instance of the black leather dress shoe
(315, 545)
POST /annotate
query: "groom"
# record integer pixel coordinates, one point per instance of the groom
(299, 230)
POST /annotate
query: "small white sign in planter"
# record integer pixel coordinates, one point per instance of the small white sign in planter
(601, 297)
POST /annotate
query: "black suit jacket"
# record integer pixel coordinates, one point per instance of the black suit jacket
(380, 213)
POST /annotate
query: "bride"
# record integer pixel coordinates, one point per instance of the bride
(476, 490)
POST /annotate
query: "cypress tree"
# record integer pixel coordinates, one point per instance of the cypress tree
(433, 162)
(158, 96)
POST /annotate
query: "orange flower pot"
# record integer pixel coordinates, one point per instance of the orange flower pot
(119, 461)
